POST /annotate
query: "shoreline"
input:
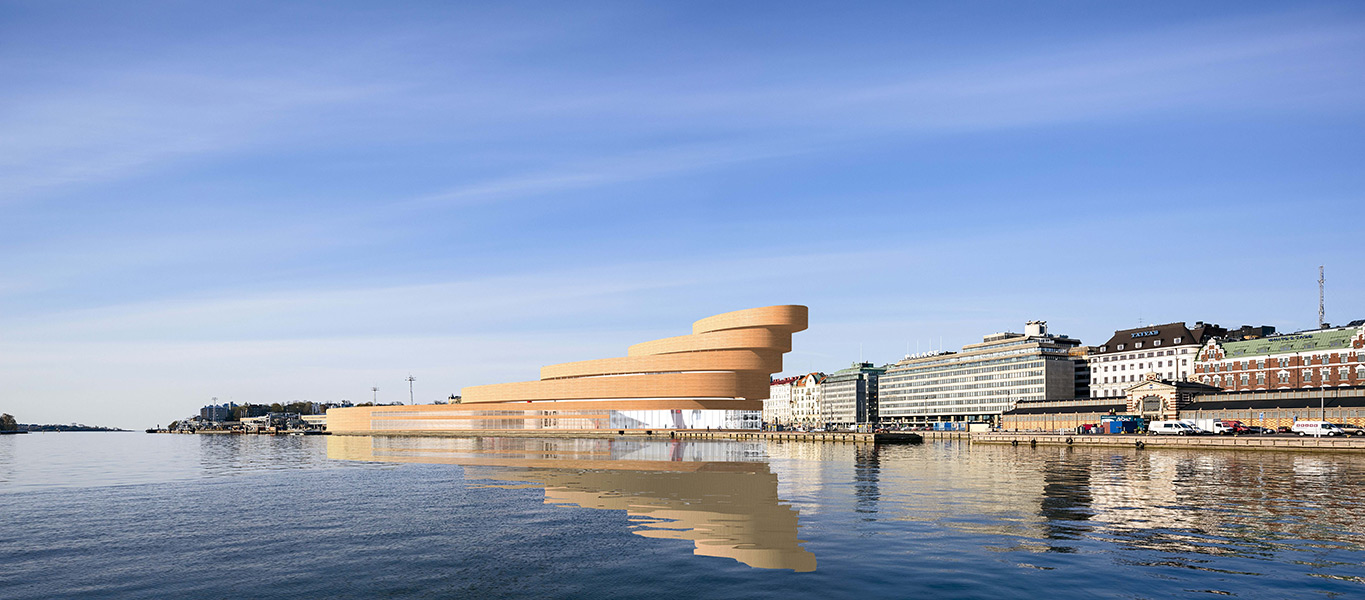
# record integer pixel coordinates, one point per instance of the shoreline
(662, 434)
(1150, 442)
(1213, 442)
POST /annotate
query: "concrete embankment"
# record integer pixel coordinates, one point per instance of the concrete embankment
(1315, 444)
(805, 436)
(661, 434)
(946, 435)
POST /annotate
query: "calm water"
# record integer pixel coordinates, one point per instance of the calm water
(124, 515)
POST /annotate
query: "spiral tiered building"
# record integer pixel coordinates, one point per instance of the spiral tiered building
(716, 377)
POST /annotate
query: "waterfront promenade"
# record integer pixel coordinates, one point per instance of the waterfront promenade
(662, 434)
(1241, 442)
(1210, 442)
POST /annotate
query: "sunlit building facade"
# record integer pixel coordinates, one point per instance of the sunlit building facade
(850, 395)
(982, 381)
(716, 377)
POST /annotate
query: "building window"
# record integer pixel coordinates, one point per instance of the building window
(1156, 343)
(1120, 346)
(1245, 379)
(1284, 377)
(1260, 378)
(1175, 341)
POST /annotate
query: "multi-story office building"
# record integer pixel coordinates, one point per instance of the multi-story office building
(850, 395)
(777, 409)
(1318, 358)
(1080, 355)
(1167, 350)
(807, 396)
(981, 381)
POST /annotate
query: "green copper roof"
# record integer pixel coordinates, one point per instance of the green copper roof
(860, 368)
(1309, 341)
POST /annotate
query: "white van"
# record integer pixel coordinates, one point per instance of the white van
(1171, 428)
(1315, 428)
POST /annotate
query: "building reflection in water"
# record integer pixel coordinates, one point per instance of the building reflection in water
(1223, 503)
(720, 496)
(866, 477)
(1066, 500)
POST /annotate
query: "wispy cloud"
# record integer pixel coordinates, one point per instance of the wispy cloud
(115, 126)
(517, 302)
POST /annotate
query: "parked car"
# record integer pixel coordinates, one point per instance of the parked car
(1258, 430)
(1282, 429)
(1315, 428)
(1350, 429)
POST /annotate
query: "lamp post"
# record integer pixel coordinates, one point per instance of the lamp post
(410, 379)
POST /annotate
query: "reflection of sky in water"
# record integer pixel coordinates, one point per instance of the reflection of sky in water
(947, 518)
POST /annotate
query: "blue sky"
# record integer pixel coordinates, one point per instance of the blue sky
(273, 201)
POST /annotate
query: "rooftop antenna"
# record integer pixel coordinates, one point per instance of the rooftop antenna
(1322, 312)
(410, 379)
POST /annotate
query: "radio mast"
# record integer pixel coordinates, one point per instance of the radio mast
(1322, 312)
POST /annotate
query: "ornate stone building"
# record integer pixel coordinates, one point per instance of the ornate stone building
(1333, 357)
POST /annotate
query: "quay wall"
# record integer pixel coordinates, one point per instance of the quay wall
(1317, 444)
(1325, 444)
(662, 434)
(945, 435)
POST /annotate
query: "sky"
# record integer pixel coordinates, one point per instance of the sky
(283, 201)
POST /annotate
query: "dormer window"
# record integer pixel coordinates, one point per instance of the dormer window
(1120, 346)
(1175, 341)
(1156, 343)
(1137, 345)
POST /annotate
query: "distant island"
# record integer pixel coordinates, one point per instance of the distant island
(8, 425)
(70, 427)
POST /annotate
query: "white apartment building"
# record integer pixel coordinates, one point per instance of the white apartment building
(1167, 350)
(777, 408)
(807, 397)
